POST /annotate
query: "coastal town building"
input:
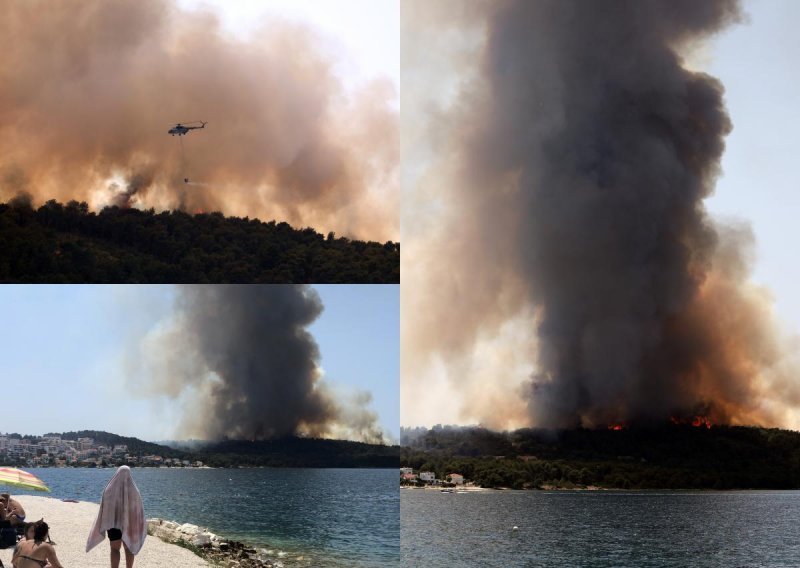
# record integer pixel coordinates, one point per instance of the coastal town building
(408, 477)
(456, 478)
(54, 451)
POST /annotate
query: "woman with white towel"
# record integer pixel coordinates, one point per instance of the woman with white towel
(121, 515)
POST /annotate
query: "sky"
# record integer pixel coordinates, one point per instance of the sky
(63, 349)
(756, 62)
(366, 32)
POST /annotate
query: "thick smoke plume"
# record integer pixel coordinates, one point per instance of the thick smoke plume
(246, 367)
(89, 90)
(579, 156)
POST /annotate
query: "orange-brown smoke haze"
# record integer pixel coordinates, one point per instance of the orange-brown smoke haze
(89, 90)
(560, 268)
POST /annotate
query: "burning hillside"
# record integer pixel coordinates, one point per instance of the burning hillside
(91, 88)
(599, 290)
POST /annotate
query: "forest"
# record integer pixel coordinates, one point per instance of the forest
(58, 243)
(671, 456)
(299, 452)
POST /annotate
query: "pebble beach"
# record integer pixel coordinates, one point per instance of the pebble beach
(70, 524)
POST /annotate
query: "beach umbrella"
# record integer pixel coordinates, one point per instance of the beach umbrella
(21, 479)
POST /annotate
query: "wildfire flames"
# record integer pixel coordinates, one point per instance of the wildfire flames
(696, 421)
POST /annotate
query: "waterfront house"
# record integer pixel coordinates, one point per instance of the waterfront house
(427, 476)
(456, 478)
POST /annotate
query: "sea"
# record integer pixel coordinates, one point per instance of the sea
(303, 516)
(600, 529)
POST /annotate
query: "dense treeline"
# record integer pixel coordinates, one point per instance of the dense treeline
(668, 457)
(69, 243)
(300, 452)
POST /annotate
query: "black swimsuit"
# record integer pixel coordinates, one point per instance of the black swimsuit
(41, 563)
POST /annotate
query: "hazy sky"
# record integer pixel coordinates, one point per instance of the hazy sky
(365, 32)
(756, 62)
(62, 352)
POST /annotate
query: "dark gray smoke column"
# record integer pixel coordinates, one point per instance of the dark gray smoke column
(255, 339)
(614, 145)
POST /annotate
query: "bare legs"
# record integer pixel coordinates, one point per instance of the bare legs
(115, 544)
(115, 555)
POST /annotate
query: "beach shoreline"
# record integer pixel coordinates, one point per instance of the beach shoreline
(70, 523)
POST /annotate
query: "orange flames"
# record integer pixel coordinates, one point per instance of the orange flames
(697, 421)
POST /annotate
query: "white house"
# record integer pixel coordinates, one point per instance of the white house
(427, 476)
(406, 470)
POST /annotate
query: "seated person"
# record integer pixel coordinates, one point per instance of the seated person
(27, 535)
(15, 514)
(36, 553)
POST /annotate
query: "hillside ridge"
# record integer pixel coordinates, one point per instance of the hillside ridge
(69, 243)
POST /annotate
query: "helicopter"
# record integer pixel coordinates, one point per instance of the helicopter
(181, 130)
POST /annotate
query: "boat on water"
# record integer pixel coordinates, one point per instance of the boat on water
(446, 490)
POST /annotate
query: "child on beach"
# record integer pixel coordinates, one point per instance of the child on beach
(121, 515)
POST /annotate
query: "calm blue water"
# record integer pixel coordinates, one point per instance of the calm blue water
(601, 529)
(331, 517)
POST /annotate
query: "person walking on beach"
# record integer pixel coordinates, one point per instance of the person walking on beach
(121, 515)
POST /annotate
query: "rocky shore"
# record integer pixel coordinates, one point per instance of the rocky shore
(217, 550)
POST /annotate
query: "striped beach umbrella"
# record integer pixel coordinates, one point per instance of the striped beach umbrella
(21, 479)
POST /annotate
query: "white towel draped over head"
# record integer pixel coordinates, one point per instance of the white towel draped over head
(121, 508)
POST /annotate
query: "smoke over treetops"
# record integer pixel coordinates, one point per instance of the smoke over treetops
(89, 90)
(242, 364)
(586, 284)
